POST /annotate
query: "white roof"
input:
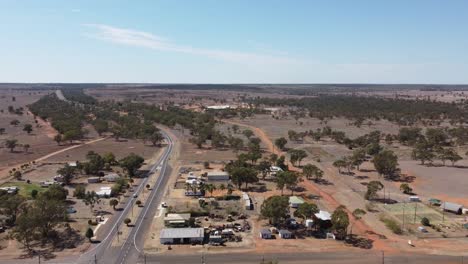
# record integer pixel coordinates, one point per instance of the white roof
(103, 192)
(182, 233)
(218, 107)
(275, 168)
(217, 173)
(106, 188)
(323, 215)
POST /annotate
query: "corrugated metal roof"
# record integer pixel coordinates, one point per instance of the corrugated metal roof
(182, 233)
(451, 206)
(295, 200)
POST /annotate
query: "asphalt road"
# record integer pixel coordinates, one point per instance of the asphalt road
(104, 252)
(302, 258)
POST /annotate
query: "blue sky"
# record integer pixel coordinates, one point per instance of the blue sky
(234, 41)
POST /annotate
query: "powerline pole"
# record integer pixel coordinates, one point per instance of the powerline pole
(415, 208)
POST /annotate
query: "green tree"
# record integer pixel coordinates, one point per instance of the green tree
(26, 147)
(311, 170)
(339, 164)
(422, 152)
(127, 221)
(28, 128)
(358, 157)
(372, 188)
(67, 172)
(89, 234)
(340, 222)
(405, 188)
(248, 133)
(264, 167)
(131, 163)
(306, 211)
(386, 163)
(11, 144)
(281, 143)
(80, 191)
(275, 208)
(58, 138)
(297, 155)
(357, 214)
(113, 203)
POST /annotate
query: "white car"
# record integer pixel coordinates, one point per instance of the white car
(163, 205)
(135, 195)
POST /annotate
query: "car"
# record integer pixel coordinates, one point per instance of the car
(135, 195)
(71, 210)
(163, 205)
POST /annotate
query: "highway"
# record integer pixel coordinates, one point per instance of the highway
(132, 249)
(372, 257)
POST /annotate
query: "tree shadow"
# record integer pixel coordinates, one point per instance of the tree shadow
(324, 182)
(359, 242)
(361, 177)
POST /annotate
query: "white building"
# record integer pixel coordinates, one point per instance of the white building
(181, 235)
(217, 176)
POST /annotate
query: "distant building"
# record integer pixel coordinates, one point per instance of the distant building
(217, 176)
(265, 234)
(104, 192)
(323, 215)
(285, 234)
(452, 207)
(176, 219)
(295, 201)
(181, 236)
(218, 107)
(247, 201)
(112, 177)
(94, 180)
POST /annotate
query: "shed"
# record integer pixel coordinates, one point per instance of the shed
(104, 192)
(285, 234)
(452, 207)
(217, 176)
(323, 215)
(247, 201)
(176, 219)
(112, 177)
(295, 201)
(265, 234)
(434, 201)
(94, 180)
(181, 235)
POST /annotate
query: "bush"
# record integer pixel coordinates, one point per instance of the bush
(425, 221)
(392, 225)
(34, 193)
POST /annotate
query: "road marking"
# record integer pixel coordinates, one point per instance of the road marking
(160, 210)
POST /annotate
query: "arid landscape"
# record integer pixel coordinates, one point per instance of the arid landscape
(258, 172)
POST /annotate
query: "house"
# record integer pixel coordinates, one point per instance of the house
(285, 234)
(217, 176)
(112, 177)
(73, 164)
(414, 199)
(176, 219)
(265, 234)
(216, 240)
(452, 207)
(247, 201)
(94, 180)
(46, 184)
(218, 107)
(274, 170)
(295, 201)
(10, 189)
(323, 215)
(104, 192)
(181, 236)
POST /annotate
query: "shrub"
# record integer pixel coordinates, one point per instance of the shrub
(392, 225)
(425, 221)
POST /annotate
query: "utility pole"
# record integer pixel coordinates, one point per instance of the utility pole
(202, 259)
(95, 259)
(144, 256)
(383, 257)
(404, 205)
(39, 255)
(415, 208)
